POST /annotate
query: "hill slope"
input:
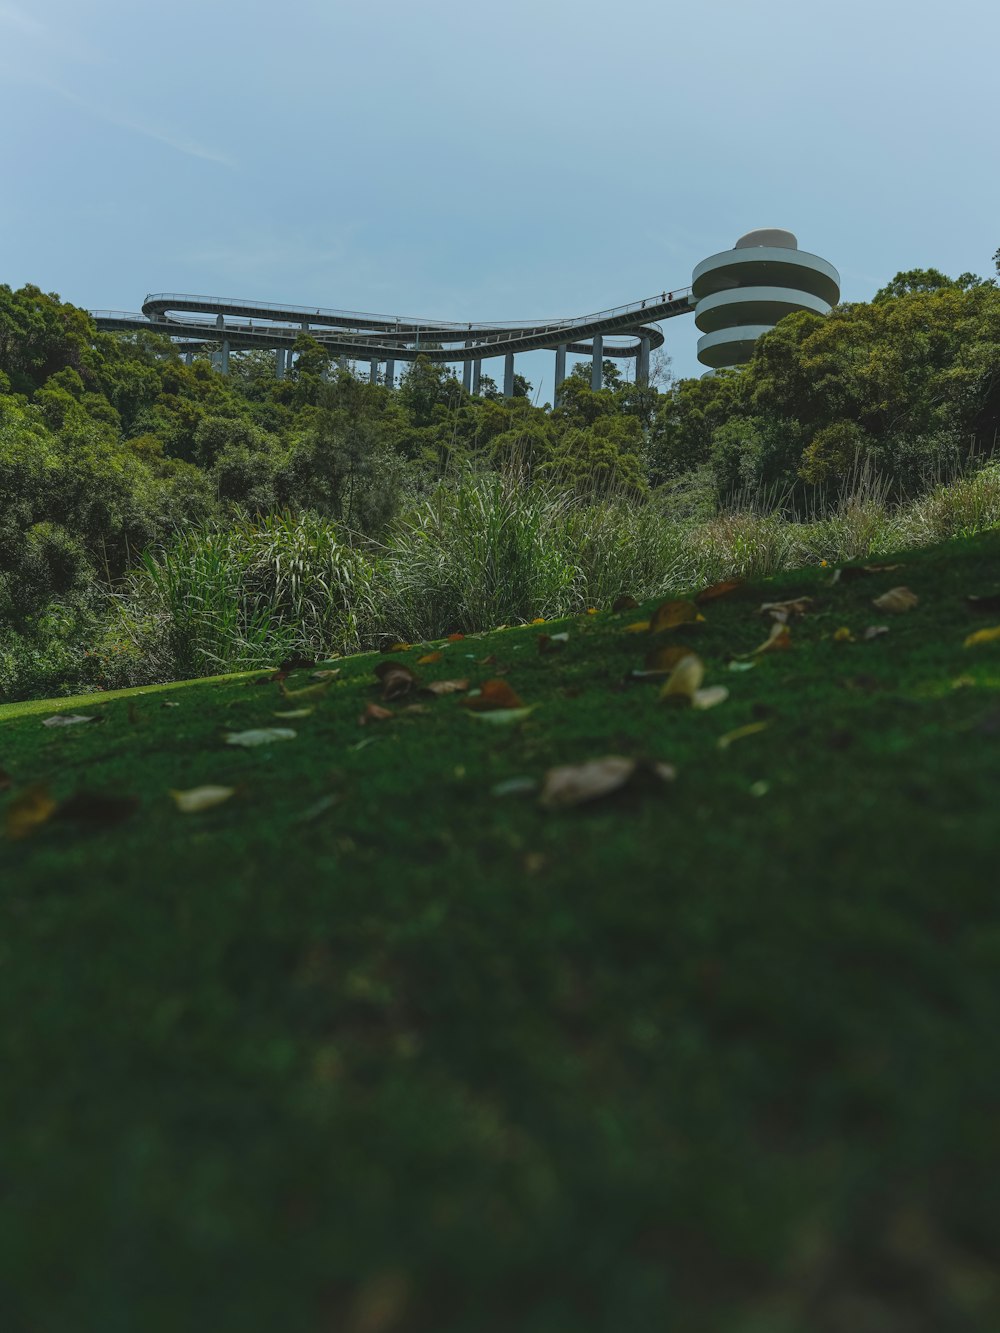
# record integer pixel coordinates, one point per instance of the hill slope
(384, 1042)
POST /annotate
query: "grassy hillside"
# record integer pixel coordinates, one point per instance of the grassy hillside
(390, 1041)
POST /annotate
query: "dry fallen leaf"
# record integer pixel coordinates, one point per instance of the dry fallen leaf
(843, 635)
(306, 693)
(428, 658)
(783, 611)
(396, 679)
(493, 695)
(873, 632)
(416, 708)
(751, 729)
(455, 638)
(290, 713)
(983, 636)
(326, 673)
(503, 717)
(576, 784)
(709, 696)
(196, 799)
(375, 713)
(29, 811)
(399, 647)
(779, 639)
(637, 627)
(684, 680)
(896, 600)
(67, 720)
(259, 736)
(718, 590)
(668, 615)
(446, 686)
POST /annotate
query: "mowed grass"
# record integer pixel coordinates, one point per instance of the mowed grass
(372, 1049)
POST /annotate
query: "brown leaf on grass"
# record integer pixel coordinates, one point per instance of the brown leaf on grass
(783, 611)
(396, 679)
(983, 636)
(668, 615)
(307, 693)
(843, 635)
(399, 647)
(416, 708)
(552, 643)
(97, 809)
(195, 799)
(28, 811)
(326, 673)
(778, 640)
(896, 600)
(637, 627)
(67, 720)
(684, 685)
(375, 713)
(576, 784)
(684, 680)
(740, 733)
(495, 694)
(988, 603)
(455, 638)
(428, 658)
(873, 632)
(295, 712)
(718, 590)
(626, 602)
(446, 687)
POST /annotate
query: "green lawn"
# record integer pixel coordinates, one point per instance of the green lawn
(369, 1048)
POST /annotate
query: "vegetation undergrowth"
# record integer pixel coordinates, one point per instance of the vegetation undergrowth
(387, 1029)
(482, 550)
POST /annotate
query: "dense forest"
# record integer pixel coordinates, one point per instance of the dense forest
(112, 449)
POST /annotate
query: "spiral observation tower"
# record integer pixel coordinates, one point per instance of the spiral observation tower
(735, 296)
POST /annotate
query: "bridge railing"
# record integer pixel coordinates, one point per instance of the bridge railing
(417, 326)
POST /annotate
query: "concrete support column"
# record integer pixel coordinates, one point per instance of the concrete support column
(279, 364)
(560, 372)
(224, 357)
(188, 358)
(390, 374)
(477, 374)
(373, 372)
(642, 363)
(467, 374)
(508, 375)
(597, 365)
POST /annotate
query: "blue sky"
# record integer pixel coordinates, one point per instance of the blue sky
(446, 159)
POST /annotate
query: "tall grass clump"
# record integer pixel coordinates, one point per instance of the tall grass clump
(486, 549)
(483, 549)
(232, 598)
